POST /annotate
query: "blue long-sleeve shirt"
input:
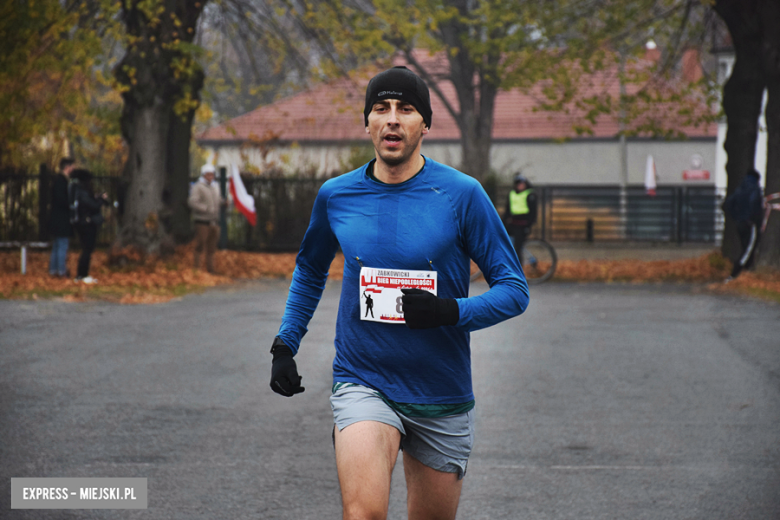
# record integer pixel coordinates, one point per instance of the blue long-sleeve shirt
(439, 219)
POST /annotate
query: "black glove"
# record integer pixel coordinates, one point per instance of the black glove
(284, 372)
(424, 310)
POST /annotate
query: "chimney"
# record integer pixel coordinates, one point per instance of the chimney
(691, 67)
(652, 52)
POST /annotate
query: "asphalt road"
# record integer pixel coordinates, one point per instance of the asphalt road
(601, 402)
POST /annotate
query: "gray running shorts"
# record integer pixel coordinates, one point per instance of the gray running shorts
(441, 443)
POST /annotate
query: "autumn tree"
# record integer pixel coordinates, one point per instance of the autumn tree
(753, 26)
(54, 92)
(769, 252)
(56, 89)
(491, 45)
(161, 83)
(251, 56)
(162, 75)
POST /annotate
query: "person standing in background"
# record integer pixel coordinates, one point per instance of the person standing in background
(520, 212)
(746, 207)
(88, 217)
(205, 202)
(59, 220)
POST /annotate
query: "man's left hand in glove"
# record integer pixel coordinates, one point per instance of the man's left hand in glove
(425, 310)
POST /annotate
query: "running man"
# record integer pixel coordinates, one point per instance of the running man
(399, 385)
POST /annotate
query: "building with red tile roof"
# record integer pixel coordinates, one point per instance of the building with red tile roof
(321, 131)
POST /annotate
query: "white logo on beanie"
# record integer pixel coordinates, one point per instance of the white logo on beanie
(389, 93)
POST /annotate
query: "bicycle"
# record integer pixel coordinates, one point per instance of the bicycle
(539, 262)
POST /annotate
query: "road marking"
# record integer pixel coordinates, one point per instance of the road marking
(629, 468)
(606, 468)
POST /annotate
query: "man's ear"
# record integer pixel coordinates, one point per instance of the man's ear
(425, 129)
(367, 131)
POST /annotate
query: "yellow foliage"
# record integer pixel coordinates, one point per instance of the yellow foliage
(50, 84)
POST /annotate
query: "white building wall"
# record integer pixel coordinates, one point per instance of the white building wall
(671, 159)
(598, 162)
(318, 159)
(572, 162)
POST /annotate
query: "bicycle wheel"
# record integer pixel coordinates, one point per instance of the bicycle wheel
(539, 261)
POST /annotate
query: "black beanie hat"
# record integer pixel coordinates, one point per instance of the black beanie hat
(399, 83)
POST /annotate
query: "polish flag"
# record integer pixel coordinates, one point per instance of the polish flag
(650, 176)
(243, 201)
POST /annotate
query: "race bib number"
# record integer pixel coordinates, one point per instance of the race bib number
(380, 292)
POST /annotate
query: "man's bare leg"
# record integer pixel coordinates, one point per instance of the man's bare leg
(366, 453)
(431, 494)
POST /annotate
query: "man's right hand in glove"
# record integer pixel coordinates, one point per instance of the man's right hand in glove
(284, 372)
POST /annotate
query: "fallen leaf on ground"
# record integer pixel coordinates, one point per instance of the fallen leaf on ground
(156, 280)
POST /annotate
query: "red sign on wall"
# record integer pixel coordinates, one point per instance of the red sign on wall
(696, 175)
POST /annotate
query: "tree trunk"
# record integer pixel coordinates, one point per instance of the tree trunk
(143, 201)
(159, 74)
(742, 98)
(177, 219)
(474, 114)
(476, 150)
(475, 145)
(769, 250)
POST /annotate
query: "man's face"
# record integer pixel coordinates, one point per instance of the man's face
(209, 177)
(69, 168)
(396, 129)
(520, 186)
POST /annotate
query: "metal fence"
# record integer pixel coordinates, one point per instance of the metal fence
(25, 203)
(283, 209)
(608, 214)
(676, 214)
(20, 205)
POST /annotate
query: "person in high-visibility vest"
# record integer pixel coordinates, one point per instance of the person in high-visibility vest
(520, 212)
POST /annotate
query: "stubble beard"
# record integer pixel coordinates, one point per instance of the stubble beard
(396, 160)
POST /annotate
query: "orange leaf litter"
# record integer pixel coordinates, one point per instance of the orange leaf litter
(160, 280)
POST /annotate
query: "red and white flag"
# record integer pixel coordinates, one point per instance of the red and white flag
(650, 176)
(243, 201)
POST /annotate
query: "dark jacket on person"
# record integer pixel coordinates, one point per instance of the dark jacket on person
(89, 206)
(59, 217)
(746, 203)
